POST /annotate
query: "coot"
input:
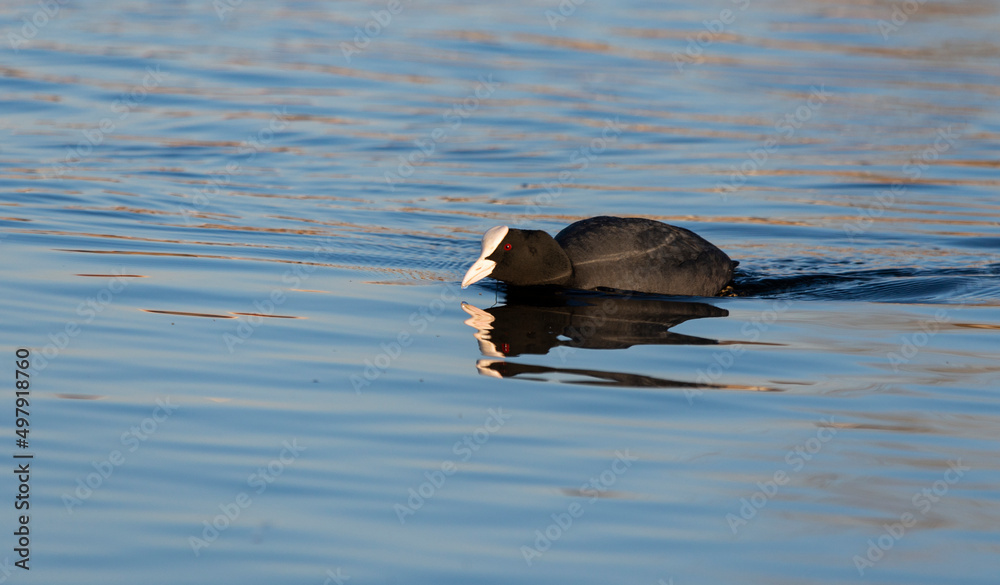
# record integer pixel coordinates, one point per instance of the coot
(623, 253)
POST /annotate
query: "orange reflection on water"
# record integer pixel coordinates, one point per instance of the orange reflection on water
(269, 316)
(114, 275)
(188, 314)
(70, 396)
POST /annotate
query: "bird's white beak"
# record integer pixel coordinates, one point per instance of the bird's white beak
(483, 267)
(480, 270)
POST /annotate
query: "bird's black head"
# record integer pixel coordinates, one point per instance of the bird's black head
(520, 258)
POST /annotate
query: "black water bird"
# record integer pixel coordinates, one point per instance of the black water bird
(630, 254)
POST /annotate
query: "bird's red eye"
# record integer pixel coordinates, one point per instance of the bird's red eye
(507, 246)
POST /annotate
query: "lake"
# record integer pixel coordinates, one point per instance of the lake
(233, 237)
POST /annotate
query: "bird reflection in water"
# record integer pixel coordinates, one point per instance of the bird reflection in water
(539, 321)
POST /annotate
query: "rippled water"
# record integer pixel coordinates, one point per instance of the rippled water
(232, 237)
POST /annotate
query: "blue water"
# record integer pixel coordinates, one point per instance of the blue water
(232, 237)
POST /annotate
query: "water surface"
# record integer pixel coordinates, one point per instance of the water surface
(233, 235)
